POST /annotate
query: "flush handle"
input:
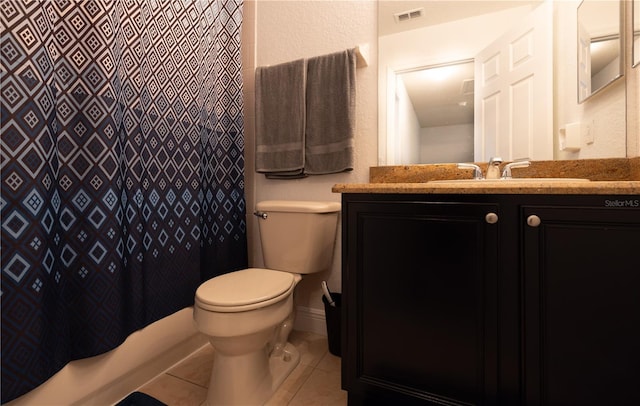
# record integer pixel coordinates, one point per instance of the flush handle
(533, 220)
(260, 214)
(491, 218)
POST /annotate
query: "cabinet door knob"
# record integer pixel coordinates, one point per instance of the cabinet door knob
(533, 220)
(491, 218)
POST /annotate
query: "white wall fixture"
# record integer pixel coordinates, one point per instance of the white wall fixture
(570, 137)
(362, 55)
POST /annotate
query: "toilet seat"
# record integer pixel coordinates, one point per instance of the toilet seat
(244, 290)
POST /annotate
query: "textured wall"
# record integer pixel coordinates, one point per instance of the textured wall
(289, 30)
(603, 112)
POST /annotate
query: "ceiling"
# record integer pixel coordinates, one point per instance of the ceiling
(438, 12)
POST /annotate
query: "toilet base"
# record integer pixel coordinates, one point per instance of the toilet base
(281, 366)
(250, 379)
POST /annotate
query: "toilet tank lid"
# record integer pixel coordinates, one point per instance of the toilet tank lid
(298, 206)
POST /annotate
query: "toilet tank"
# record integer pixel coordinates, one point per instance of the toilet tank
(298, 236)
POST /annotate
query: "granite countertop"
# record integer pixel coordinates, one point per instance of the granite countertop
(496, 187)
(607, 176)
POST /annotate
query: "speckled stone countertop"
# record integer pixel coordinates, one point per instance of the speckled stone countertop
(511, 187)
(619, 176)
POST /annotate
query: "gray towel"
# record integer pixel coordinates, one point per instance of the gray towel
(330, 117)
(295, 174)
(280, 118)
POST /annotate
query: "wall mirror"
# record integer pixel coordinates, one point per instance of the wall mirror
(636, 32)
(600, 47)
(423, 35)
(443, 115)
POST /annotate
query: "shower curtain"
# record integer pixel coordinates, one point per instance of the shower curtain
(122, 158)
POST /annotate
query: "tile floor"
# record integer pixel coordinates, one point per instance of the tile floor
(315, 381)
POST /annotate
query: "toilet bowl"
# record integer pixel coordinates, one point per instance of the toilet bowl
(248, 314)
(240, 323)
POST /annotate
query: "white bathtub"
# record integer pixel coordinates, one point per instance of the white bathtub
(107, 378)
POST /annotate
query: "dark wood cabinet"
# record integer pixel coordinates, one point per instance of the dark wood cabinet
(581, 300)
(422, 307)
(466, 299)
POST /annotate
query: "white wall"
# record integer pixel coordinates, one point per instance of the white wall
(603, 113)
(447, 144)
(285, 31)
(407, 127)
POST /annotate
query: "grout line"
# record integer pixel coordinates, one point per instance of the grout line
(301, 386)
(186, 380)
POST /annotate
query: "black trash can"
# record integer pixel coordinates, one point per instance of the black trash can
(332, 318)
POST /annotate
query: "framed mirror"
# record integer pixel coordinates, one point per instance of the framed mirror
(414, 35)
(600, 46)
(437, 37)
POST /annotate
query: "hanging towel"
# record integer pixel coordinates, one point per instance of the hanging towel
(330, 117)
(280, 119)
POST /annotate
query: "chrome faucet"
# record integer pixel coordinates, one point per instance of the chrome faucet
(477, 172)
(493, 168)
(506, 172)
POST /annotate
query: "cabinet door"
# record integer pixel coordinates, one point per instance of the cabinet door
(581, 305)
(420, 290)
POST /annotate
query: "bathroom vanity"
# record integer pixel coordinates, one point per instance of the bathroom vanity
(522, 295)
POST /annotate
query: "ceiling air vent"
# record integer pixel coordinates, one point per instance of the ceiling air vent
(409, 15)
(467, 86)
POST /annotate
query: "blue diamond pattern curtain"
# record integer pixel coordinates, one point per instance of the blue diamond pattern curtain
(122, 158)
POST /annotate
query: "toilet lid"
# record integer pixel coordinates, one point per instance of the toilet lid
(245, 287)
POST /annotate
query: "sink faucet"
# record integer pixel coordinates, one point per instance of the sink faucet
(506, 173)
(477, 172)
(493, 168)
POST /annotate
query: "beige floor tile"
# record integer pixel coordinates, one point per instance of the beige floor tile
(315, 381)
(321, 389)
(290, 386)
(312, 347)
(174, 391)
(330, 363)
(197, 368)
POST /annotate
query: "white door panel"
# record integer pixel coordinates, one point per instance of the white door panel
(491, 114)
(584, 63)
(513, 98)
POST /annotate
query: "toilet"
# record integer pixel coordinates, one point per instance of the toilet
(248, 314)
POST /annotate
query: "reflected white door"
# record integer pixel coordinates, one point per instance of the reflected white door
(584, 63)
(514, 92)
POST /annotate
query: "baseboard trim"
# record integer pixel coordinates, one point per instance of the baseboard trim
(311, 320)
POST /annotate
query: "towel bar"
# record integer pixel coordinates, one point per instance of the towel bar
(362, 55)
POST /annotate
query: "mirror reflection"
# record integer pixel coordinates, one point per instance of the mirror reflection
(435, 125)
(599, 46)
(419, 35)
(636, 32)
